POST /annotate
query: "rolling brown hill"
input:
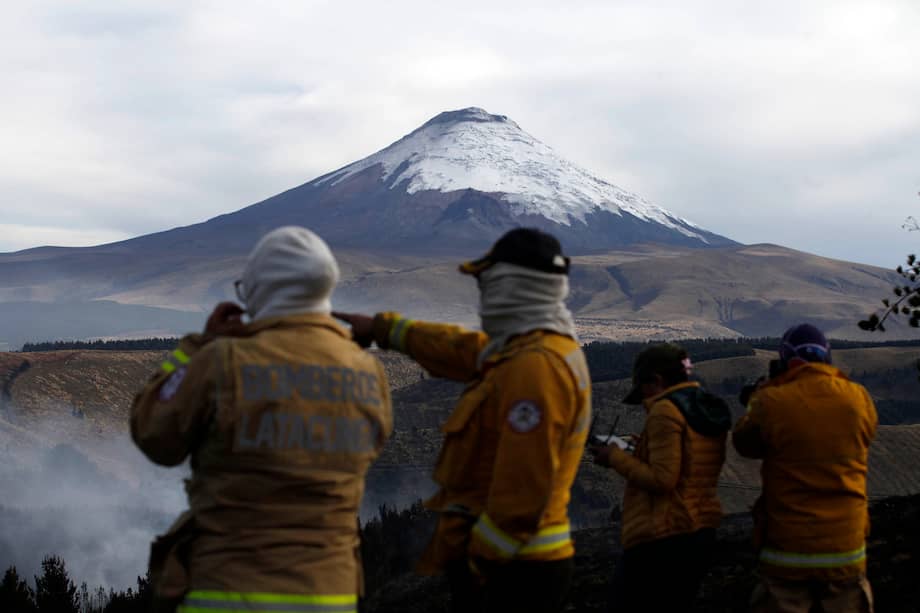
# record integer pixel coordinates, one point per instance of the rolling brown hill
(646, 292)
(82, 398)
(73, 484)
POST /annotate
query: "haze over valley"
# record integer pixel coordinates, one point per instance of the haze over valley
(74, 485)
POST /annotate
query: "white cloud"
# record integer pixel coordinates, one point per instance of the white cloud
(128, 118)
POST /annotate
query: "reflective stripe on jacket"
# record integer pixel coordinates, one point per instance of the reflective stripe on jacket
(548, 539)
(672, 478)
(281, 425)
(813, 560)
(812, 427)
(210, 601)
(512, 445)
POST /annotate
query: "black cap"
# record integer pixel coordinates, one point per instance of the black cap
(666, 360)
(527, 247)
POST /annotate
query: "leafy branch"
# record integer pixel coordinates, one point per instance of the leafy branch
(906, 301)
(906, 297)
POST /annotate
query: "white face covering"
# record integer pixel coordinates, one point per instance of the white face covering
(516, 300)
(290, 271)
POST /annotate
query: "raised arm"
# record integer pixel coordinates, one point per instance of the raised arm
(444, 350)
(171, 413)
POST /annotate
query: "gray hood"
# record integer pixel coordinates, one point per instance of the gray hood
(291, 270)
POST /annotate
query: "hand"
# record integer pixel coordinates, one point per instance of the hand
(226, 320)
(362, 327)
(601, 454)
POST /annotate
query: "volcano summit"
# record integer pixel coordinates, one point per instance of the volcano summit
(461, 180)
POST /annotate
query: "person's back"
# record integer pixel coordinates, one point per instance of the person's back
(513, 443)
(283, 470)
(815, 463)
(812, 427)
(282, 418)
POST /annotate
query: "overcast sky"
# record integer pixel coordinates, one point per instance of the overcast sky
(788, 122)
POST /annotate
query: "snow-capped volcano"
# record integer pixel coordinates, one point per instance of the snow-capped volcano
(472, 149)
(454, 184)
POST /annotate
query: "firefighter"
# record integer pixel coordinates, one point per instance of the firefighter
(513, 442)
(281, 416)
(671, 507)
(812, 427)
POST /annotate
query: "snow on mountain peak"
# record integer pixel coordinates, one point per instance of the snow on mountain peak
(473, 113)
(473, 149)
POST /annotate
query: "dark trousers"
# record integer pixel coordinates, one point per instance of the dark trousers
(662, 575)
(521, 586)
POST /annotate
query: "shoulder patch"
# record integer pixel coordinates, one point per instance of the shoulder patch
(524, 416)
(171, 386)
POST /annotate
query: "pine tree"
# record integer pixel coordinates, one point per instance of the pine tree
(86, 603)
(92, 602)
(54, 590)
(15, 594)
(131, 601)
(100, 599)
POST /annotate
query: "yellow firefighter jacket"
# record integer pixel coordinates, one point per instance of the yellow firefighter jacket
(812, 427)
(512, 444)
(281, 426)
(672, 478)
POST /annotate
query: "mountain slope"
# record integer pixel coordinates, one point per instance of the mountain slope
(400, 220)
(456, 183)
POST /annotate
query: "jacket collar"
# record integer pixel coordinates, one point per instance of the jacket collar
(649, 402)
(808, 369)
(298, 321)
(514, 345)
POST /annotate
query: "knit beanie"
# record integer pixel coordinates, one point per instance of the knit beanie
(804, 342)
(291, 270)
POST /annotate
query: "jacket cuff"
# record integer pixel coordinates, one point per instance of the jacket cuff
(488, 538)
(189, 345)
(390, 331)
